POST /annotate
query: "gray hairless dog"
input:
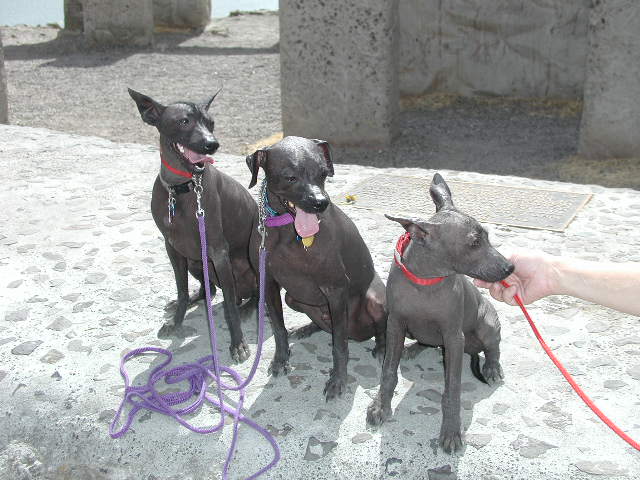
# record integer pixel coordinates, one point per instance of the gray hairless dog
(186, 137)
(318, 257)
(443, 307)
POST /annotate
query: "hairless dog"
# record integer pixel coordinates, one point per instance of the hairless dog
(430, 300)
(186, 137)
(316, 254)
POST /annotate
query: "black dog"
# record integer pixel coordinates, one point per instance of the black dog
(328, 274)
(186, 137)
(430, 299)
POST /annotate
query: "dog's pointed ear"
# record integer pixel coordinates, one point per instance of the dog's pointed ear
(326, 151)
(440, 193)
(412, 226)
(254, 162)
(149, 109)
(207, 103)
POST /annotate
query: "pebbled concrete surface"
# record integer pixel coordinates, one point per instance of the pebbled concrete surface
(84, 278)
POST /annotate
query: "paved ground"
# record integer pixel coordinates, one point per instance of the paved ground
(85, 278)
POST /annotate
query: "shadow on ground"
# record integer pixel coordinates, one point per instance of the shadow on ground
(534, 138)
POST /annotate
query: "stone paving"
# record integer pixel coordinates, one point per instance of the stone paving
(84, 279)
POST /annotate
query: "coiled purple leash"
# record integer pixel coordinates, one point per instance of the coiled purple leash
(197, 373)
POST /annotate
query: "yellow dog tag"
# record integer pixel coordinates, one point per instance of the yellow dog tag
(308, 241)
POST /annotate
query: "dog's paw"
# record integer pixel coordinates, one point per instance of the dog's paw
(492, 373)
(240, 352)
(279, 367)
(304, 331)
(377, 414)
(450, 439)
(335, 387)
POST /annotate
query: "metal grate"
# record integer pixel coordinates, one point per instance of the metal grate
(504, 205)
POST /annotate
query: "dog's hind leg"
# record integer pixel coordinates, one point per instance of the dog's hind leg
(491, 370)
(179, 264)
(195, 268)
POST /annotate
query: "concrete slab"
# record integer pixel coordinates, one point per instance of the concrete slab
(85, 278)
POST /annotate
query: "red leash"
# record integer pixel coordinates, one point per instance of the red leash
(570, 379)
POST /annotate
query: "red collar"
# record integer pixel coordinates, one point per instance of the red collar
(182, 173)
(403, 241)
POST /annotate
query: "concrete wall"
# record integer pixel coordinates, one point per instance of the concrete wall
(182, 13)
(611, 115)
(339, 70)
(118, 22)
(4, 109)
(530, 48)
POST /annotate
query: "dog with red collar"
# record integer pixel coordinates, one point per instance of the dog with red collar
(186, 140)
(430, 299)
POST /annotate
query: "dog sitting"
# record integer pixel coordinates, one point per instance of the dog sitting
(316, 254)
(430, 300)
(186, 138)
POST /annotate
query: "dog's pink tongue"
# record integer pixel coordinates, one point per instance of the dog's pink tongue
(306, 223)
(195, 157)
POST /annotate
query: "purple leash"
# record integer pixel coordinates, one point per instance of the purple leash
(197, 374)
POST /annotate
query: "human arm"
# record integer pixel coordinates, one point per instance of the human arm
(536, 275)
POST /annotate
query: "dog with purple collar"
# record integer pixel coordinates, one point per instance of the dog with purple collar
(316, 254)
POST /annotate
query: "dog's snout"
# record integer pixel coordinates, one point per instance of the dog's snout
(211, 146)
(508, 269)
(320, 204)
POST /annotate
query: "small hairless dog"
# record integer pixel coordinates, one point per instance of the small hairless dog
(316, 254)
(429, 299)
(186, 137)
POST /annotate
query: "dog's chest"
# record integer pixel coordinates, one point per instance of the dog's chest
(430, 311)
(301, 272)
(180, 228)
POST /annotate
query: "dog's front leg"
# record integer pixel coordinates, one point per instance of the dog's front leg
(337, 297)
(218, 252)
(179, 264)
(280, 362)
(450, 430)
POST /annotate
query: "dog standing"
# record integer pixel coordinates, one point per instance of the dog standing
(429, 299)
(186, 137)
(316, 254)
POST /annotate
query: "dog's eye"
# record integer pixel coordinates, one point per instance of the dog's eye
(183, 121)
(475, 243)
(292, 179)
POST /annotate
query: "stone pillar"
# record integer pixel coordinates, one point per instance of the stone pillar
(192, 14)
(338, 70)
(118, 22)
(73, 18)
(610, 125)
(4, 106)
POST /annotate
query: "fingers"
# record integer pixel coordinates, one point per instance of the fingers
(481, 283)
(498, 292)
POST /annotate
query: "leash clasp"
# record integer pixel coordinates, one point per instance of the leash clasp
(197, 188)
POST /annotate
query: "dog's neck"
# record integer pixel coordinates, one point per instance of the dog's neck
(276, 202)
(425, 263)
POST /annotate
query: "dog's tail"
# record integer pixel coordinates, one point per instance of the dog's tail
(475, 368)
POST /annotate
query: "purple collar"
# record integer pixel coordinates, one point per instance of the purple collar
(280, 220)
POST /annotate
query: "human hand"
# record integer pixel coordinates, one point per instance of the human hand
(534, 277)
